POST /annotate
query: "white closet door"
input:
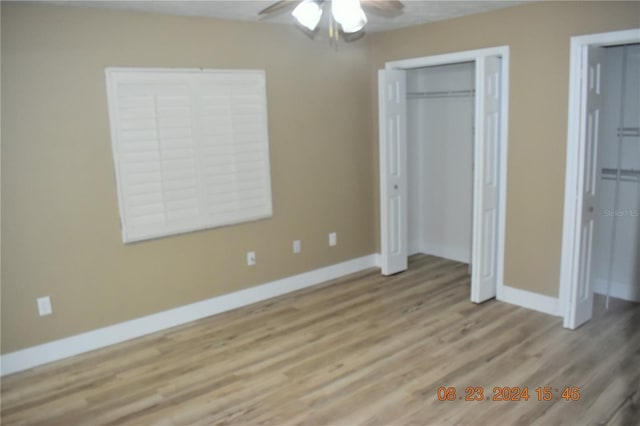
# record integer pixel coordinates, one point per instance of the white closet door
(590, 131)
(393, 170)
(486, 180)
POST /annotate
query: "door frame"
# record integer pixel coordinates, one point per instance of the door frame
(571, 231)
(477, 56)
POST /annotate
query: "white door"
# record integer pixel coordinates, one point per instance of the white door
(581, 297)
(393, 170)
(486, 192)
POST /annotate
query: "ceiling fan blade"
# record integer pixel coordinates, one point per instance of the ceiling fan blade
(384, 5)
(278, 6)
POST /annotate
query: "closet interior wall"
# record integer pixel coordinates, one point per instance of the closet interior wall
(617, 247)
(440, 119)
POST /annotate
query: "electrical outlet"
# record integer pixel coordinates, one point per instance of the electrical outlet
(251, 258)
(44, 306)
(297, 246)
(333, 239)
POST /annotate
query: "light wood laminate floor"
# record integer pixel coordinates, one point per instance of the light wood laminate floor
(360, 350)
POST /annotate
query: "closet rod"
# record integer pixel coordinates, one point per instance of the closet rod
(608, 173)
(628, 131)
(441, 94)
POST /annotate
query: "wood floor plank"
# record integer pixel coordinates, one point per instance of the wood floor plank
(363, 349)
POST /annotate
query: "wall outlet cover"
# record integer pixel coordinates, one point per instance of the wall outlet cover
(44, 306)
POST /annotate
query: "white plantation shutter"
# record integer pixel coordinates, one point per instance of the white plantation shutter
(190, 147)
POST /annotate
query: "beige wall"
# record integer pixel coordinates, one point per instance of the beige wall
(539, 38)
(60, 231)
(60, 225)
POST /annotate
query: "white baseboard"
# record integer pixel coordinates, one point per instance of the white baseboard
(446, 252)
(85, 342)
(618, 290)
(526, 299)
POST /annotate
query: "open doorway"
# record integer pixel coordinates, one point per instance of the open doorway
(440, 126)
(616, 269)
(601, 236)
(489, 153)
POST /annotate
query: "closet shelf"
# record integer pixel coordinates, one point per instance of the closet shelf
(441, 94)
(629, 131)
(626, 175)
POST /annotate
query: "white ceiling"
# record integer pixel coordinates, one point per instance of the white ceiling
(415, 11)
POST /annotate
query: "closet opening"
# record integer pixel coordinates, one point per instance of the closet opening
(440, 127)
(616, 263)
(443, 157)
(601, 233)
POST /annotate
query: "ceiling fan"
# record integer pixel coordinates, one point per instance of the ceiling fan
(347, 16)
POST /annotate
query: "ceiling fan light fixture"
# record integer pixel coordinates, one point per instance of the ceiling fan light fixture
(349, 15)
(308, 14)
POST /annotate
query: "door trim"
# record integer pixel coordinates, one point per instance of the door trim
(476, 56)
(574, 173)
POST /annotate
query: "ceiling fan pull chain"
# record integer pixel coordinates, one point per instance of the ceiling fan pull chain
(332, 31)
